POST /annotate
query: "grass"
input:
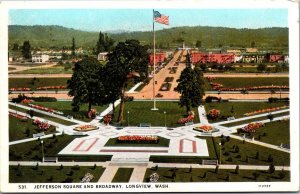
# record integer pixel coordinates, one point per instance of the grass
(32, 151)
(188, 159)
(140, 112)
(237, 82)
(239, 108)
(51, 70)
(123, 175)
(52, 174)
(66, 108)
(34, 83)
(18, 127)
(230, 156)
(197, 175)
(27, 64)
(254, 120)
(276, 132)
(163, 142)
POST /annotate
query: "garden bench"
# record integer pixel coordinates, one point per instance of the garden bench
(38, 135)
(145, 124)
(50, 159)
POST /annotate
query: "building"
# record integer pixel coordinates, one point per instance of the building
(102, 56)
(159, 58)
(40, 58)
(219, 58)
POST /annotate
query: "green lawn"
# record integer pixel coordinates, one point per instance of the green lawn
(52, 174)
(32, 150)
(123, 175)
(27, 64)
(52, 70)
(163, 142)
(50, 118)
(230, 156)
(237, 82)
(140, 112)
(239, 108)
(34, 83)
(275, 133)
(254, 120)
(66, 108)
(18, 127)
(198, 175)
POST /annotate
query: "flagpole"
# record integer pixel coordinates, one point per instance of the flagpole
(154, 102)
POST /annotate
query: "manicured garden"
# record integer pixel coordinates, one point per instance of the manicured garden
(213, 175)
(66, 108)
(161, 142)
(239, 152)
(52, 174)
(51, 70)
(21, 129)
(257, 119)
(140, 112)
(50, 118)
(240, 82)
(122, 175)
(32, 150)
(238, 109)
(276, 133)
(34, 83)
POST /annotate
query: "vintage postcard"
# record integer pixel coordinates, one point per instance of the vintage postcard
(149, 96)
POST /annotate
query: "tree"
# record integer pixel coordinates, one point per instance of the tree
(26, 50)
(86, 85)
(270, 117)
(217, 169)
(191, 87)
(15, 47)
(73, 47)
(271, 169)
(104, 43)
(237, 169)
(198, 44)
(128, 60)
(270, 158)
(261, 67)
(257, 155)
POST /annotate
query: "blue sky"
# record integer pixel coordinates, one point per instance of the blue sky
(141, 19)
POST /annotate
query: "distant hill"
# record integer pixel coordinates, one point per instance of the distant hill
(210, 37)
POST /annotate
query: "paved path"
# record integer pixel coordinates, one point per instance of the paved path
(138, 174)
(132, 90)
(202, 115)
(108, 174)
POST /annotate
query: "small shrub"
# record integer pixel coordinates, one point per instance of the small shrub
(282, 174)
(217, 169)
(237, 169)
(270, 158)
(226, 153)
(271, 169)
(229, 159)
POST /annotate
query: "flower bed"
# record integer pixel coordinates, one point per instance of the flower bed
(213, 114)
(189, 118)
(107, 119)
(26, 101)
(252, 127)
(18, 116)
(51, 87)
(50, 110)
(138, 139)
(92, 113)
(84, 128)
(19, 89)
(265, 110)
(204, 128)
(41, 124)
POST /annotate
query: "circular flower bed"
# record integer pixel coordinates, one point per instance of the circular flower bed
(84, 128)
(213, 114)
(204, 128)
(138, 139)
(42, 125)
(252, 127)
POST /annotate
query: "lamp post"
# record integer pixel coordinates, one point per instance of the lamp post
(127, 118)
(220, 144)
(42, 142)
(165, 113)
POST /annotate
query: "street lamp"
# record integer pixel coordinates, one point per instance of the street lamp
(127, 118)
(42, 142)
(165, 118)
(220, 144)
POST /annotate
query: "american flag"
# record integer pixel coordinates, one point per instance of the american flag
(163, 19)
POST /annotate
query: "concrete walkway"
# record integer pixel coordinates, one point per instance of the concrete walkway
(138, 174)
(202, 115)
(132, 90)
(108, 174)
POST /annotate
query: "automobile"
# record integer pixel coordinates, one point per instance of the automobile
(159, 95)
